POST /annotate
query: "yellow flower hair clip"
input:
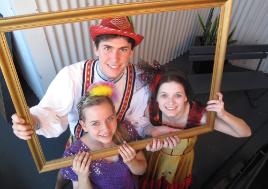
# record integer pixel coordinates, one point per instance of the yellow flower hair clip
(101, 89)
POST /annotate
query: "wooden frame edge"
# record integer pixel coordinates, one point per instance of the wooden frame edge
(45, 19)
(222, 37)
(99, 12)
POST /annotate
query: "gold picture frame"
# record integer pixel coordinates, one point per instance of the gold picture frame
(77, 15)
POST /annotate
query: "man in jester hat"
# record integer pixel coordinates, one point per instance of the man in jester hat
(114, 40)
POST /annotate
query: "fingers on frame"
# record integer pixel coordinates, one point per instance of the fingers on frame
(85, 161)
(17, 119)
(127, 151)
(23, 135)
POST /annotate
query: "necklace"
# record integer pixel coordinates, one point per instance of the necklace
(105, 78)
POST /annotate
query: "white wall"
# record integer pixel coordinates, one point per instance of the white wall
(27, 61)
(250, 17)
(51, 48)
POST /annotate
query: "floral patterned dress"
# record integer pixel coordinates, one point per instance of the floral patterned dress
(172, 168)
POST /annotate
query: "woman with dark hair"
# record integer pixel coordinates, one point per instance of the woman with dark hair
(171, 106)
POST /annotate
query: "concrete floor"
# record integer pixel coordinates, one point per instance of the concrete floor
(219, 156)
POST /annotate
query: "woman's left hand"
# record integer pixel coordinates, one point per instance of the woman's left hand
(171, 142)
(154, 145)
(216, 105)
(127, 153)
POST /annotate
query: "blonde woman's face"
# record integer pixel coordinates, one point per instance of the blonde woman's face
(171, 98)
(100, 122)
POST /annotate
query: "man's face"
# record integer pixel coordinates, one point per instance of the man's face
(114, 55)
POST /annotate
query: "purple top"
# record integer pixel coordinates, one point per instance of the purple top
(103, 174)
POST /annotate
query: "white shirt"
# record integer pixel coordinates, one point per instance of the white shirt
(57, 110)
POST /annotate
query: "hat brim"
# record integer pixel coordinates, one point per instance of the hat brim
(102, 30)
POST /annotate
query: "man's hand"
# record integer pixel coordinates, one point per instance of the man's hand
(20, 128)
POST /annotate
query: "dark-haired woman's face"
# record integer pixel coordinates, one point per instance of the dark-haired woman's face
(171, 98)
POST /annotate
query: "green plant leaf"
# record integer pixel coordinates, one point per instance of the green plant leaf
(207, 41)
(201, 22)
(214, 30)
(206, 35)
(209, 19)
(230, 36)
(210, 30)
(231, 42)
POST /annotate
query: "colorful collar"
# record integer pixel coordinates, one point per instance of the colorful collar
(104, 77)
